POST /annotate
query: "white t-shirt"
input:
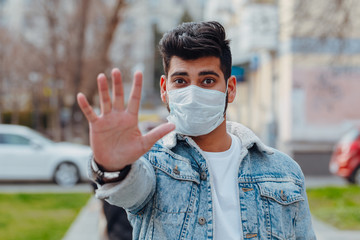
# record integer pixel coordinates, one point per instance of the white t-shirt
(223, 168)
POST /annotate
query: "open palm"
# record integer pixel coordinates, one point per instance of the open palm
(115, 137)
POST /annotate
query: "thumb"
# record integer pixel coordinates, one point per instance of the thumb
(156, 134)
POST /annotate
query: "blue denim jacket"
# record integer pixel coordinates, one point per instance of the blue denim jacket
(167, 193)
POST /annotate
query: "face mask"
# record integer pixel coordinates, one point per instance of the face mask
(196, 111)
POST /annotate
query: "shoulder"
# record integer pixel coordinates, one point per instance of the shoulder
(285, 161)
(277, 164)
(161, 154)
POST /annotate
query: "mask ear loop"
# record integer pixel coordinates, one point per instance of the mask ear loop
(227, 87)
(226, 96)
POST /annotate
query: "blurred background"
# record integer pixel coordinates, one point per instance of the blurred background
(296, 63)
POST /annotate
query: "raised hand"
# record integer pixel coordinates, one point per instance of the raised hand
(115, 137)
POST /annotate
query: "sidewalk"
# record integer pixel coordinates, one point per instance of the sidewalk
(327, 232)
(86, 226)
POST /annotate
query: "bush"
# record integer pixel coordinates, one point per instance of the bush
(27, 118)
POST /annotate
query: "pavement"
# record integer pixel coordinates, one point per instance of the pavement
(87, 225)
(89, 222)
(326, 232)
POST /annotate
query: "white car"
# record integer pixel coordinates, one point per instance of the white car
(27, 155)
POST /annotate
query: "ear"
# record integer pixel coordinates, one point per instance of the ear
(163, 89)
(231, 89)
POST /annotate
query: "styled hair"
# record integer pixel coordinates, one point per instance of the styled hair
(190, 41)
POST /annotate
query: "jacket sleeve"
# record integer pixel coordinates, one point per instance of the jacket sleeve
(304, 229)
(134, 191)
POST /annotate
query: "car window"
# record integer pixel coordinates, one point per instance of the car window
(37, 136)
(350, 136)
(13, 139)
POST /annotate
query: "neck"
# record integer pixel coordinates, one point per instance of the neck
(216, 141)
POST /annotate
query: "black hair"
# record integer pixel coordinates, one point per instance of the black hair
(191, 41)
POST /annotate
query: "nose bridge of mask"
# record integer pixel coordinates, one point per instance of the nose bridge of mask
(195, 93)
(194, 87)
(183, 93)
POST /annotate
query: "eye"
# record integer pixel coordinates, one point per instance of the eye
(208, 81)
(179, 81)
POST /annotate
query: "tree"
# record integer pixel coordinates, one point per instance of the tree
(14, 72)
(102, 47)
(72, 47)
(315, 24)
(81, 35)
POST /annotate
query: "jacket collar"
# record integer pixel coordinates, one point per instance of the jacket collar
(247, 137)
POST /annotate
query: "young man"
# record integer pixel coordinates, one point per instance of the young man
(206, 179)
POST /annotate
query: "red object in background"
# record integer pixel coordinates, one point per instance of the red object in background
(345, 161)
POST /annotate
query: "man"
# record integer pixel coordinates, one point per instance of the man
(206, 179)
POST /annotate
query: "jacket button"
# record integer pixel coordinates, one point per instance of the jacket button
(176, 170)
(202, 220)
(283, 196)
(203, 176)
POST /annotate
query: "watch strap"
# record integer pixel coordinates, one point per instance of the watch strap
(103, 177)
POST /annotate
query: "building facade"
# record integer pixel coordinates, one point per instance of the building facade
(301, 79)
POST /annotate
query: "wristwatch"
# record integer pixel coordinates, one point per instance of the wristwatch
(103, 177)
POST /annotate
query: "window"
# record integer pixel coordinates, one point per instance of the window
(13, 139)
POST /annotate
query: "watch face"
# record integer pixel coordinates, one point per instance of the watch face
(111, 175)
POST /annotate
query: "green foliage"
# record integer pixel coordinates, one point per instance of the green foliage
(338, 206)
(38, 216)
(6, 117)
(27, 118)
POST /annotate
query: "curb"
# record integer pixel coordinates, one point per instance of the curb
(86, 225)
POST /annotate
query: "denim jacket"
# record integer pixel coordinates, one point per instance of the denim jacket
(167, 193)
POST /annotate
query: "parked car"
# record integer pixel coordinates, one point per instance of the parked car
(345, 161)
(27, 155)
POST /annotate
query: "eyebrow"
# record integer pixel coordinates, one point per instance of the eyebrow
(208, 73)
(203, 73)
(179, 74)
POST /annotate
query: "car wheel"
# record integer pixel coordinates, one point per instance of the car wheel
(356, 176)
(66, 174)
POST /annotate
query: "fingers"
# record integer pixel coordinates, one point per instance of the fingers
(135, 96)
(157, 133)
(105, 100)
(86, 108)
(117, 90)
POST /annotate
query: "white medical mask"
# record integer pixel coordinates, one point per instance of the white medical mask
(196, 111)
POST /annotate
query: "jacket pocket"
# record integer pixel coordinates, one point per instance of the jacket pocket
(281, 204)
(174, 202)
(175, 182)
(173, 195)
